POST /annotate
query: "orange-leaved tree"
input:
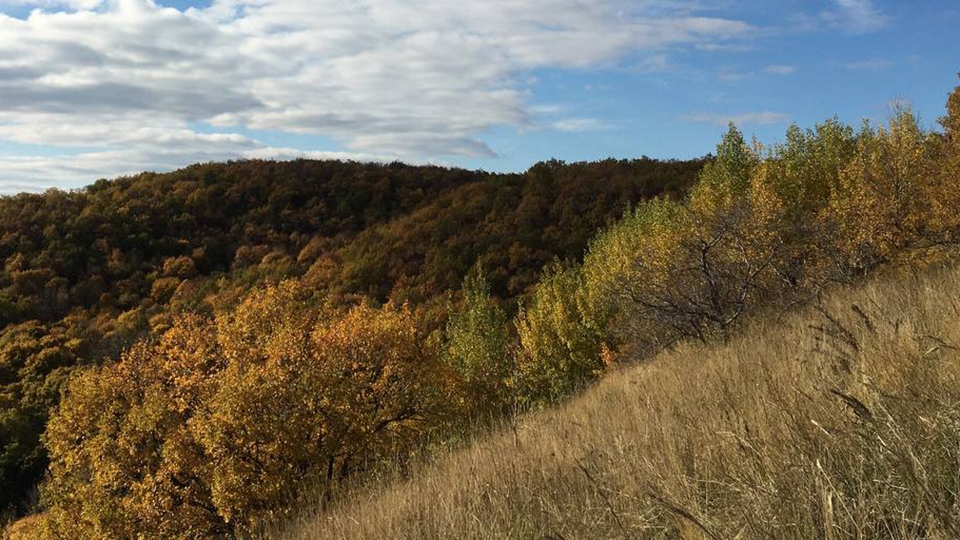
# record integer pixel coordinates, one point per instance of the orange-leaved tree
(219, 424)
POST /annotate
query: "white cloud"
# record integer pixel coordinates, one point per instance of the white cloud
(127, 83)
(149, 149)
(779, 70)
(856, 16)
(577, 125)
(285, 154)
(871, 64)
(723, 47)
(657, 63)
(751, 118)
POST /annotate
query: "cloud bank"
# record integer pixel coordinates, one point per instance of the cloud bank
(109, 87)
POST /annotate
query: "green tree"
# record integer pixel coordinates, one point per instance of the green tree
(561, 344)
(477, 347)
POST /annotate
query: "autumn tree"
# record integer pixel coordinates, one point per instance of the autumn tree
(35, 362)
(944, 218)
(219, 424)
(126, 256)
(477, 346)
(790, 195)
(883, 196)
(676, 269)
(561, 340)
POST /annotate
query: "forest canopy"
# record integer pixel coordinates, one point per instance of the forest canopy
(86, 274)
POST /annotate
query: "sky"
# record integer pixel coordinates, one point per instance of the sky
(95, 89)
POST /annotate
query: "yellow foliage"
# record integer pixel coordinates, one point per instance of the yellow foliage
(884, 193)
(560, 337)
(944, 197)
(218, 424)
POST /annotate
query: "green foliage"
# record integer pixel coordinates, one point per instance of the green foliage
(726, 179)
(477, 347)
(633, 268)
(561, 342)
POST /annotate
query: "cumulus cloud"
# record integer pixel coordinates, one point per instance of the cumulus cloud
(117, 86)
(743, 119)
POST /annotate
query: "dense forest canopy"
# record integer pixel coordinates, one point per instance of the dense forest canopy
(86, 273)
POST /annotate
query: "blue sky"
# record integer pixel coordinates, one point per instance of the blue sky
(99, 88)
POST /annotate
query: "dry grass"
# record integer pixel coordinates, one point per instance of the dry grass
(838, 422)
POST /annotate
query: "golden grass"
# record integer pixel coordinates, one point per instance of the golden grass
(836, 422)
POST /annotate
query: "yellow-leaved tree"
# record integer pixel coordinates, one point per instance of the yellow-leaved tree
(790, 195)
(219, 424)
(882, 200)
(561, 337)
(944, 219)
(670, 270)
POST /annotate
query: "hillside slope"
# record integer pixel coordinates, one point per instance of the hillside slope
(85, 273)
(837, 422)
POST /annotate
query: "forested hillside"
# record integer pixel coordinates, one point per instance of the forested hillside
(209, 352)
(339, 269)
(839, 421)
(781, 398)
(86, 273)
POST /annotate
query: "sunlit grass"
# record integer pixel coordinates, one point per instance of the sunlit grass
(839, 421)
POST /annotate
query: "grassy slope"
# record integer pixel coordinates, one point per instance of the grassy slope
(834, 423)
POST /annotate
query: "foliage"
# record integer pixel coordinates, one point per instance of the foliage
(944, 197)
(561, 341)
(217, 424)
(676, 269)
(477, 347)
(225, 405)
(791, 192)
(121, 260)
(762, 229)
(883, 197)
(835, 421)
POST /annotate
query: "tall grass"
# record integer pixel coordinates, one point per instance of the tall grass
(839, 421)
